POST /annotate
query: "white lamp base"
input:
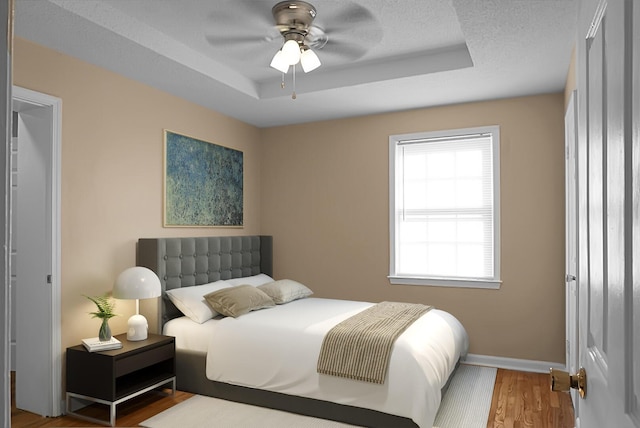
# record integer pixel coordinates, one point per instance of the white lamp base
(137, 328)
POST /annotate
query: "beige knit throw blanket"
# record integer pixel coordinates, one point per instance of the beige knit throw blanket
(360, 347)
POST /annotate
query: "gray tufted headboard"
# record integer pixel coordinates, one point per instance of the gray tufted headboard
(185, 262)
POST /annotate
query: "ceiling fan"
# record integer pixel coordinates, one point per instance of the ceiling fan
(293, 20)
(339, 31)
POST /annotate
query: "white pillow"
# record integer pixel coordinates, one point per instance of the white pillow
(254, 280)
(191, 301)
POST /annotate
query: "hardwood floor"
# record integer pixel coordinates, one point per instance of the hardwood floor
(519, 400)
(129, 413)
(522, 399)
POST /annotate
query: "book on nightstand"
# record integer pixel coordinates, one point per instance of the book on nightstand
(95, 344)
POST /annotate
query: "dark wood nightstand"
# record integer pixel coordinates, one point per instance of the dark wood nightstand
(112, 377)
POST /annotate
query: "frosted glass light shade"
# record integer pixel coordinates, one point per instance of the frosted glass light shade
(291, 52)
(279, 62)
(309, 60)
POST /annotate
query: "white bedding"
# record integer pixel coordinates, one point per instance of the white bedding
(276, 349)
(189, 334)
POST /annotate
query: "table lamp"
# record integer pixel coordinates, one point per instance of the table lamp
(137, 283)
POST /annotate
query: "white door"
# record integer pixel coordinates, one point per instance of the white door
(36, 267)
(571, 260)
(608, 213)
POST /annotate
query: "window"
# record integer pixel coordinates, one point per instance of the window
(444, 208)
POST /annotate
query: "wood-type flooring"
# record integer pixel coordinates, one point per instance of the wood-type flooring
(520, 400)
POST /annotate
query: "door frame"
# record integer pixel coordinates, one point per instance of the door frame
(23, 96)
(6, 39)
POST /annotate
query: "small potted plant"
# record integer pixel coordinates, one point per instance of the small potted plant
(105, 305)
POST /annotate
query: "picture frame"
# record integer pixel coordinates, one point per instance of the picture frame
(203, 183)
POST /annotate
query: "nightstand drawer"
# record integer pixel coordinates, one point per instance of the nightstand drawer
(141, 360)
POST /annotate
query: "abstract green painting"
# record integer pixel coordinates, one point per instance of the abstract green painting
(203, 183)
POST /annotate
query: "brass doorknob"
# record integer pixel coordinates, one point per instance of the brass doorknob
(563, 381)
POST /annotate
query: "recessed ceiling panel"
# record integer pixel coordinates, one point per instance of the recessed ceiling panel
(380, 55)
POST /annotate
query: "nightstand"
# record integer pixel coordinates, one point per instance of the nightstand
(112, 377)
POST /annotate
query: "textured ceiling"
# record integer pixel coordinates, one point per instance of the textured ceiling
(381, 55)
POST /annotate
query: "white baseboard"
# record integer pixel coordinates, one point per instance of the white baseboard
(512, 363)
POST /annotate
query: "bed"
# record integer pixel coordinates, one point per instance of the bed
(274, 362)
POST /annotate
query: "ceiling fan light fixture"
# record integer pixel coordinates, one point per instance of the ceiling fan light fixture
(294, 20)
(291, 52)
(309, 60)
(279, 62)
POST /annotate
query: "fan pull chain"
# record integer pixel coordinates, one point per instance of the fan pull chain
(282, 83)
(293, 95)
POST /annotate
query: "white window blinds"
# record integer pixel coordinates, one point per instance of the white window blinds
(444, 216)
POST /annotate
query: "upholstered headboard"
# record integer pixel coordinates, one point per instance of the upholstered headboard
(185, 262)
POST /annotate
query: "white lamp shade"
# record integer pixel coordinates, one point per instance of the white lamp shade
(279, 62)
(309, 60)
(291, 52)
(137, 283)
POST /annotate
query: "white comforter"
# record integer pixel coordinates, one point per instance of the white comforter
(277, 349)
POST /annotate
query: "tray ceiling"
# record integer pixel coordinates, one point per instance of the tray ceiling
(396, 55)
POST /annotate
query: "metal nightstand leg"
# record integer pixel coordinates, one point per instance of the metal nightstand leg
(112, 409)
(112, 404)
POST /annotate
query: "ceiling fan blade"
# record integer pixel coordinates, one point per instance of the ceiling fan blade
(342, 51)
(241, 20)
(248, 12)
(347, 16)
(220, 42)
(245, 49)
(351, 29)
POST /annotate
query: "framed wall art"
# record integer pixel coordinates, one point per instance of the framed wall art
(203, 183)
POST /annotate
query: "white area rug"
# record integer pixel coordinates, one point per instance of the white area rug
(468, 400)
(466, 404)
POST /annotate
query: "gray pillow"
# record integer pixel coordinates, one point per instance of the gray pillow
(236, 301)
(285, 290)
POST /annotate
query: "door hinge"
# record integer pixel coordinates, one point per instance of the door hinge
(569, 278)
(49, 279)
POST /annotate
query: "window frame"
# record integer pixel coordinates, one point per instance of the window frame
(394, 141)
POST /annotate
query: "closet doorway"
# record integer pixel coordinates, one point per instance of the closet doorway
(35, 258)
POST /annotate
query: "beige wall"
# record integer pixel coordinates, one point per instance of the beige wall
(325, 201)
(321, 189)
(571, 83)
(112, 172)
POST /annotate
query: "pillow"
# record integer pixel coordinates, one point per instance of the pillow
(285, 290)
(254, 280)
(191, 302)
(238, 300)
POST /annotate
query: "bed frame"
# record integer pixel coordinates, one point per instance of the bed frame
(185, 262)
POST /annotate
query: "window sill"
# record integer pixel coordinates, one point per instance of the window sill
(441, 282)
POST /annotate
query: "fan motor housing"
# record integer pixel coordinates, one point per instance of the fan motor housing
(294, 16)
